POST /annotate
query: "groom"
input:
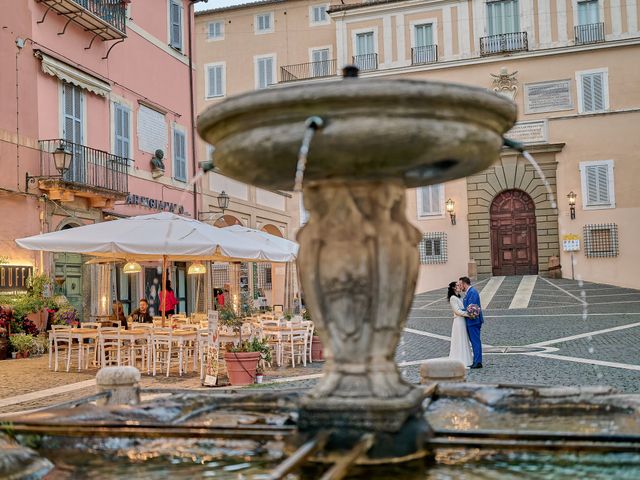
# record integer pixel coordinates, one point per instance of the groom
(473, 324)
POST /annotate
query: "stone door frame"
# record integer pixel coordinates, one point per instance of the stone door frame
(512, 171)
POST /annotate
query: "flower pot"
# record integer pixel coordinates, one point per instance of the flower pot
(241, 367)
(22, 354)
(259, 378)
(316, 349)
(14, 354)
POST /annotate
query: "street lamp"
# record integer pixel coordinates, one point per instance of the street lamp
(572, 204)
(61, 160)
(451, 205)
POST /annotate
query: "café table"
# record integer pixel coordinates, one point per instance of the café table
(181, 337)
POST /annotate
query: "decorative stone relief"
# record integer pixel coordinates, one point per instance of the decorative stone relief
(505, 83)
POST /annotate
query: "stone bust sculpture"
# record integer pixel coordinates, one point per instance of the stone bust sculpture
(157, 164)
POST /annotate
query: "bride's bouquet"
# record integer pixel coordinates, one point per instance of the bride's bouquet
(473, 311)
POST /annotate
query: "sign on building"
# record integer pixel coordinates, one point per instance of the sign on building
(571, 243)
(530, 132)
(13, 278)
(152, 130)
(547, 96)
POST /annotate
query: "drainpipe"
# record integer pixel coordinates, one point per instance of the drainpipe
(192, 106)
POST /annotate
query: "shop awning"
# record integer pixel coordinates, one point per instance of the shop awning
(67, 73)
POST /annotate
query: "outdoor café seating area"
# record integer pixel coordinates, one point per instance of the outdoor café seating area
(177, 345)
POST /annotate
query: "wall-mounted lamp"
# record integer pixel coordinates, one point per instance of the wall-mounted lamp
(572, 204)
(451, 205)
(223, 203)
(62, 157)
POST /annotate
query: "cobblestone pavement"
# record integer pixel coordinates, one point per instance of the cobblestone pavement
(590, 334)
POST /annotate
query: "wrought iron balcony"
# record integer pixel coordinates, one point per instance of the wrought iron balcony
(424, 54)
(590, 33)
(304, 71)
(366, 62)
(104, 18)
(91, 173)
(504, 43)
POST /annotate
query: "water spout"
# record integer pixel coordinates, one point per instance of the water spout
(311, 124)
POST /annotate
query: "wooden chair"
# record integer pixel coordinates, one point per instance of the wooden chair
(294, 343)
(163, 351)
(60, 342)
(310, 329)
(111, 347)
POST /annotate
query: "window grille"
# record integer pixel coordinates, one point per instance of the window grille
(433, 248)
(601, 240)
(264, 276)
(220, 274)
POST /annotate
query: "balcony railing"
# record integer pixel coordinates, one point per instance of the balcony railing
(504, 43)
(303, 71)
(424, 54)
(104, 18)
(366, 62)
(89, 167)
(590, 33)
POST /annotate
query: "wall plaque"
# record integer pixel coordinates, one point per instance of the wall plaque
(530, 132)
(152, 130)
(547, 96)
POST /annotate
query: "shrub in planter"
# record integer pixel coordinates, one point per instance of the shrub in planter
(22, 344)
(5, 322)
(66, 315)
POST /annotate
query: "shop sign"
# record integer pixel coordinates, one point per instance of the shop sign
(13, 278)
(154, 204)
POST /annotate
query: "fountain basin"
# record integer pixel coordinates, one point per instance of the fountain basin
(416, 131)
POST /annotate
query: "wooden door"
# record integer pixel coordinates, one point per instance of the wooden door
(514, 246)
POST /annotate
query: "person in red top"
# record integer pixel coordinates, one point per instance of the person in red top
(220, 299)
(171, 301)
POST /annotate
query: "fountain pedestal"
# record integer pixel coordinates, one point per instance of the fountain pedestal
(358, 264)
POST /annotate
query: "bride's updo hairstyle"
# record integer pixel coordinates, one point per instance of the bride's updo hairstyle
(451, 292)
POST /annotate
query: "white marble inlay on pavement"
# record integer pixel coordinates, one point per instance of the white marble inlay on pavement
(525, 290)
(489, 290)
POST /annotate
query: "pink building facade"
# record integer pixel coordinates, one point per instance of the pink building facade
(107, 81)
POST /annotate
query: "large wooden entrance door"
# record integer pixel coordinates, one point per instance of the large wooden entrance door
(514, 246)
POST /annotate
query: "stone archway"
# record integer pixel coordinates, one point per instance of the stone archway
(272, 230)
(227, 221)
(512, 172)
(514, 244)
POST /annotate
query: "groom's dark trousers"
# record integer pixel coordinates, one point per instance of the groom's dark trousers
(474, 324)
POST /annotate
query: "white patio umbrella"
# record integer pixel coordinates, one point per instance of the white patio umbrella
(277, 242)
(163, 235)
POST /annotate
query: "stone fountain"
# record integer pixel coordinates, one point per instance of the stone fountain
(358, 259)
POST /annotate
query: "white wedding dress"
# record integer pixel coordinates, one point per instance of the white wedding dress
(460, 346)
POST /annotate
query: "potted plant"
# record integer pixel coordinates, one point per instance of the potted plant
(66, 315)
(22, 344)
(242, 360)
(5, 325)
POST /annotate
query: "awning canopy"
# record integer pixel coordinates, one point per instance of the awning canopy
(67, 73)
(150, 237)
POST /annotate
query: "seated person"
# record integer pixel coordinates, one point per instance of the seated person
(141, 314)
(117, 317)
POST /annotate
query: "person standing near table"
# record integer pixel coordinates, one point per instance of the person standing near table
(168, 300)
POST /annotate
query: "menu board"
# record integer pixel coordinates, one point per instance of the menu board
(213, 351)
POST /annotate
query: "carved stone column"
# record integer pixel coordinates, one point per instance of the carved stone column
(358, 263)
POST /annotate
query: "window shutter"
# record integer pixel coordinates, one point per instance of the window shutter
(598, 185)
(598, 91)
(176, 25)
(269, 71)
(593, 92)
(426, 200)
(215, 81)
(179, 156)
(218, 80)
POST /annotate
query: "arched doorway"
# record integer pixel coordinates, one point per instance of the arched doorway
(514, 244)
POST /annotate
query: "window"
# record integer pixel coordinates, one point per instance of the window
(364, 43)
(433, 248)
(264, 72)
(601, 240)
(503, 17)
(73, 129)
(122, 136)
(179, 155)
(431, 201)
(320, 59)
(264, 23)
(175, 24)
(597, 184)
(319, 14)
(588, 12)
(423, 35)
(215, 80)
(265, 276)
(215, 30)
(593, 91)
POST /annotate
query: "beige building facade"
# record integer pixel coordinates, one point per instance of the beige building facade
(573, 69)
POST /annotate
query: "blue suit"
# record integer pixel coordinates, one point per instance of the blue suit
(474, 324)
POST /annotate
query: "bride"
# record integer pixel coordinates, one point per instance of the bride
(460, 347)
